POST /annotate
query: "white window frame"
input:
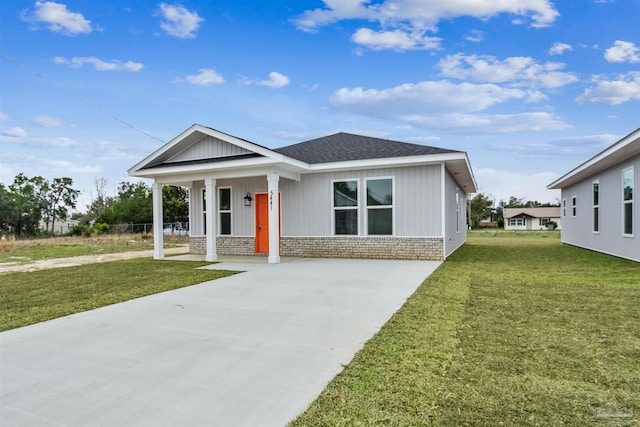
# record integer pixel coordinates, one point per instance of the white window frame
(334, 207)
(392, 206)
(204, 211)
(625, 202)
(595, 210)
(516, 222)
(229, 211)
(457, 210)
(574, 206)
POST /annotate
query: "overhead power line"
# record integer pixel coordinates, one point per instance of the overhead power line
(77, 97)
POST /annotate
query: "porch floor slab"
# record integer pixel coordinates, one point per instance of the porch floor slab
(252, 349)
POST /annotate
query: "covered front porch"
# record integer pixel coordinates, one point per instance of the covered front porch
(228, 215)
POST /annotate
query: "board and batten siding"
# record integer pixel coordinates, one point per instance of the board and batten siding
(208, 148)
(456, 219)
(578, 230)
(307, 205)
(242, 217)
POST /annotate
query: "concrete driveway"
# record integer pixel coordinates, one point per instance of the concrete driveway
(254, 349)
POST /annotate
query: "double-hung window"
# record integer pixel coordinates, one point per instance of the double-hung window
(574, 206)
(379, 206)
(596, 206)
(345, 207)
(224, 210)
(627, 201)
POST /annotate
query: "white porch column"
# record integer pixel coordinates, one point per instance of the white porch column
(274, 218)
(158, 238)
(210, 208)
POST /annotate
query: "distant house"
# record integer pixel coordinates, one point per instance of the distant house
(341, 195)
(599, 204)
(61, 226)
(530, 218)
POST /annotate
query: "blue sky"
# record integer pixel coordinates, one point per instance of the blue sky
(528, 88)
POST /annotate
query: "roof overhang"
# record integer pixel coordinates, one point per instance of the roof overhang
(457, 163)
(160, 167)
(153, 166)
(624, 149)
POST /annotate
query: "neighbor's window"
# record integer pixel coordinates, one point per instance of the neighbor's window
(516, 222)
(627, 201)
(345, 207)
(574, 207)
(596, 206)
(543, 221)
(380, 206)
(224, 210)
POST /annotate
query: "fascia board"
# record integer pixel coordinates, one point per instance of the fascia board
(385, 162)
(204, 167)
(448, 159)
(263, 151)
(597, 162)
(164, 148)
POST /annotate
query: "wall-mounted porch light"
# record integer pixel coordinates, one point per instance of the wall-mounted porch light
(247, 199)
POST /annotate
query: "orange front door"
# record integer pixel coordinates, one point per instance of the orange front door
(262, 223)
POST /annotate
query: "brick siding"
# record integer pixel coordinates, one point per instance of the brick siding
(418, 248)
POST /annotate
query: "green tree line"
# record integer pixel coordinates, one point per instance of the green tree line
(27, 202)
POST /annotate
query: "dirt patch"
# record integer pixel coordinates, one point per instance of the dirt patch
(44, 264)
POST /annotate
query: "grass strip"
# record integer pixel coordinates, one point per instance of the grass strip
(394, 380)
(27, 298)
(511, 330)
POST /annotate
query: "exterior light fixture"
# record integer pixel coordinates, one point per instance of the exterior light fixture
(247, 199)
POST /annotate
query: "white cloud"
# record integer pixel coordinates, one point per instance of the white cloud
(475, 36)
(397, 40)
(64, 165)
(98, 64)
(15, 132)
(516, 69)
(179, 22)
(3, 117)
(622, 51)
(205, 77)
(614, 92)
(58, 18)
(559, 48)
(420, 14)
(276, 80)
(445, 106)
(428, 97)
(47, 121)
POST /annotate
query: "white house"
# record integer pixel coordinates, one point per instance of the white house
(599, 209)
(531, 218)
(342, 195)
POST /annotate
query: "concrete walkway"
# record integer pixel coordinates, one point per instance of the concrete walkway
(253, 349)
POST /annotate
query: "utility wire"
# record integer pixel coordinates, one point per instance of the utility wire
(77, 97)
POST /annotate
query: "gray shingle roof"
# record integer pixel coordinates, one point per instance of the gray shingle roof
(342, 147)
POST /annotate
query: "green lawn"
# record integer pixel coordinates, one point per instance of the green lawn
(514, 329)
(27, 298)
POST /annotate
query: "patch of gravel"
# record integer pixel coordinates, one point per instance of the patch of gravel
(44, 264)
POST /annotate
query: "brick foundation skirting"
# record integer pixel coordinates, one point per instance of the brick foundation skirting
(418, 248)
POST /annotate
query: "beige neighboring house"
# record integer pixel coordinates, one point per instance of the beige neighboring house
(61, 226)
(530, 218)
